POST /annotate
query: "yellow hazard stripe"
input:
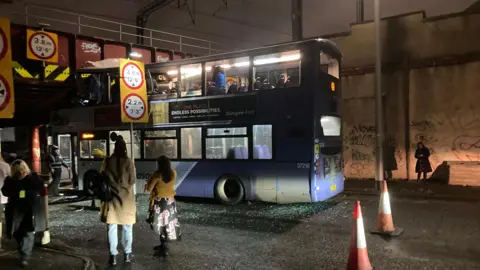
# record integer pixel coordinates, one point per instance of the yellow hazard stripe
(49, 69)
(64, 75)
(21, 71)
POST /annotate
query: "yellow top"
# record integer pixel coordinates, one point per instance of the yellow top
(159, 189)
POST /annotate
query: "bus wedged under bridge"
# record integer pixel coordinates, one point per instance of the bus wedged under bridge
(261, 124)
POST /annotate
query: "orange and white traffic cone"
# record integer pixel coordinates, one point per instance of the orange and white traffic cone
(358, 257)
(384, 219)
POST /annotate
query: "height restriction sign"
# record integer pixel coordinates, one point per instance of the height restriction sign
(133, 92)
(7, 100)
(42, 46)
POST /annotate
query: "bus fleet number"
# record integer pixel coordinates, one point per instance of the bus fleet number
(303, 166)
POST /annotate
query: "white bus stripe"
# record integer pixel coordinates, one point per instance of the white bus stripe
(184, 175)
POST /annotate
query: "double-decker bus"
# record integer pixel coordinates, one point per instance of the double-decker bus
(261, 124)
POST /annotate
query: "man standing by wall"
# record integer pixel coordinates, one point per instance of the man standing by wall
(55, 163)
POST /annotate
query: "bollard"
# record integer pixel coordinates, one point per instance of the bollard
(46, 232)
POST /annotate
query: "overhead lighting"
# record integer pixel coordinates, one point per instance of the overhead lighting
(135, 55)
(272, 60)
(172, 72)
(227, 66)
(241, 64)
(87, 136)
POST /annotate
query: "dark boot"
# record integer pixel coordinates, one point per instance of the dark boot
(128, 257)
(112, 260)
(23, 263)
(164, 249)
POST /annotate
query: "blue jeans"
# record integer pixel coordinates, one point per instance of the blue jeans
(127, 238)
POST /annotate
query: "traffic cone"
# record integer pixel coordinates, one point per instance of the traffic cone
(384, 219)
(358, 257)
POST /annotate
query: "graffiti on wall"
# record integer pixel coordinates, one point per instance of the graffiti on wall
(466, 148)
(360, 152)
(449, 136)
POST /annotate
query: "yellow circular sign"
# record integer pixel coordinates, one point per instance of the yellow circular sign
(332, 86)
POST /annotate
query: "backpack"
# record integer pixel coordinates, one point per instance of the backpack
(100, 185)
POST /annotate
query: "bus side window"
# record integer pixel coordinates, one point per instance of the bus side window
(160, 142)
(262, 141)
(126, 136)
(166, 83)
(191, 143)
(227, 143)
(191, 80)
(277, 70)
(229, 76)
(329, 65)
(93, 149)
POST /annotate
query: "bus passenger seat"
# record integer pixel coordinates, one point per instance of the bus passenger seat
(260, 152)
(258, 84)
(243, 88)
(266, 85)
(256, 151)
(280, 82)
(288, 83)
(266, 152)
(244, 152)
(233, 88)
(238, 152)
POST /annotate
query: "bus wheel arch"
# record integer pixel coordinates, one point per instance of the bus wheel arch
(229, 189)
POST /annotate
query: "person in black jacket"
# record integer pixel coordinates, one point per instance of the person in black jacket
(423, 164)
(22, 189)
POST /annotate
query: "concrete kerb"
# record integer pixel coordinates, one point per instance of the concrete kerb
(89, 264)
(60, 247)
(55, 247)
(416, 196)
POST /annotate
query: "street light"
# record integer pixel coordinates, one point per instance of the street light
(379, 123)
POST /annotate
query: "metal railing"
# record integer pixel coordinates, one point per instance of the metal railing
(84, 24)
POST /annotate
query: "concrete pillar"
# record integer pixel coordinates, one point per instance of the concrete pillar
(36, 161)
(297, 17)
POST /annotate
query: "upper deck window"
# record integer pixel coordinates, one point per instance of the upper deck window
(277, 70)
(228, 76)
(191, 80)
(329, 65)
(166, 83)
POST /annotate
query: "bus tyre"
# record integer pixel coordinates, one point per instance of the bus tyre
(88, 181)
(229, 190)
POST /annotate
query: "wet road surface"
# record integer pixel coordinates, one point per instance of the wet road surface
(438, 235)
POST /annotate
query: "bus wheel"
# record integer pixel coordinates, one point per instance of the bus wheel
(88, 181)
(229, 190)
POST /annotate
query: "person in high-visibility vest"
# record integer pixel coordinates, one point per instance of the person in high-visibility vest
(55, 162)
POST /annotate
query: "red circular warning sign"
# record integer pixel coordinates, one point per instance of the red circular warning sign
(134, 106)
(42, 45)
(132, 76)
(3, 44)
(4, 93)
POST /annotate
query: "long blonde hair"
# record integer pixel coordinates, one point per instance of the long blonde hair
(19, 169)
